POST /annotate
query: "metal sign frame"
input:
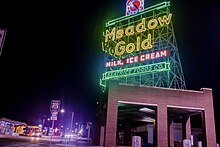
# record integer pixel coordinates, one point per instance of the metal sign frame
(55, 105)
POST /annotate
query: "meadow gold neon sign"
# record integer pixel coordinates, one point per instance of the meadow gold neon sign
(115, 39)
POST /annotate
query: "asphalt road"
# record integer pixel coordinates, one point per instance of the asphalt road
(23, 141)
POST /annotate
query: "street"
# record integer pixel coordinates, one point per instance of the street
(24, 141)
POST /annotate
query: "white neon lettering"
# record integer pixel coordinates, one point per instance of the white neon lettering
(142, 58)
(157, 55)
(131, 60)
(152, 55)
(136, 59)
(147, 57)
(163, 53)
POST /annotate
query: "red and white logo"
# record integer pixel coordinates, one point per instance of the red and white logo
(134, 6)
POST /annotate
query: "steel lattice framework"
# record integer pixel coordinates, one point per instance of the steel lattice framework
(162, 38)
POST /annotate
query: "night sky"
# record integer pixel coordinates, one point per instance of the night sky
(53, 51)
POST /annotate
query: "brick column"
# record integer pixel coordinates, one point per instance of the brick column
(208, 118)
(102, 131)
(204, 138)
(186, 125)
(111, 123)
(162, 132)
(188, 128)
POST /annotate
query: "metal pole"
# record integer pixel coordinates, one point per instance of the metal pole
(43, 123)
(71, 124)
(89, 134)
(52, 132)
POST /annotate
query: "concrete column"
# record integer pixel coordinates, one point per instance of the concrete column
(155, 132)
(150, 133)
(162, 132)
(171, 134)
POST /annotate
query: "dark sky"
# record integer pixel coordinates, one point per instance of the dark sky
(53, 51)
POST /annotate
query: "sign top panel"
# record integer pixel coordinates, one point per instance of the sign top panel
(55, 105)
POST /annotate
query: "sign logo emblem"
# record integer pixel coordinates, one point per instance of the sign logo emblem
(134, 6)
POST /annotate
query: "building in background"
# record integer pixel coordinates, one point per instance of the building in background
(7, 126)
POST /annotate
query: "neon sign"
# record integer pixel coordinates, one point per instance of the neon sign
(116, 43)
(135, 45)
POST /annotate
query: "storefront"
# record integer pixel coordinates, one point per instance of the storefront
(7, 126)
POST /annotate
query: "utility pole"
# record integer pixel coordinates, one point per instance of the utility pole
(71, 125)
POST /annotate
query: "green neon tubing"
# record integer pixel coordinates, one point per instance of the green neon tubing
(162, 66)
(101, 83)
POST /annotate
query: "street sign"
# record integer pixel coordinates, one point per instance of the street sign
(54, 115)
(55, 106)
(2, 38)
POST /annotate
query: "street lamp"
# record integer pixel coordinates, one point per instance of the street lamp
(72, 115)
(62, 110)
(71, 124)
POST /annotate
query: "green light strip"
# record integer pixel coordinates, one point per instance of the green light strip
(148, 9)
(157, 67)
(102, 84)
